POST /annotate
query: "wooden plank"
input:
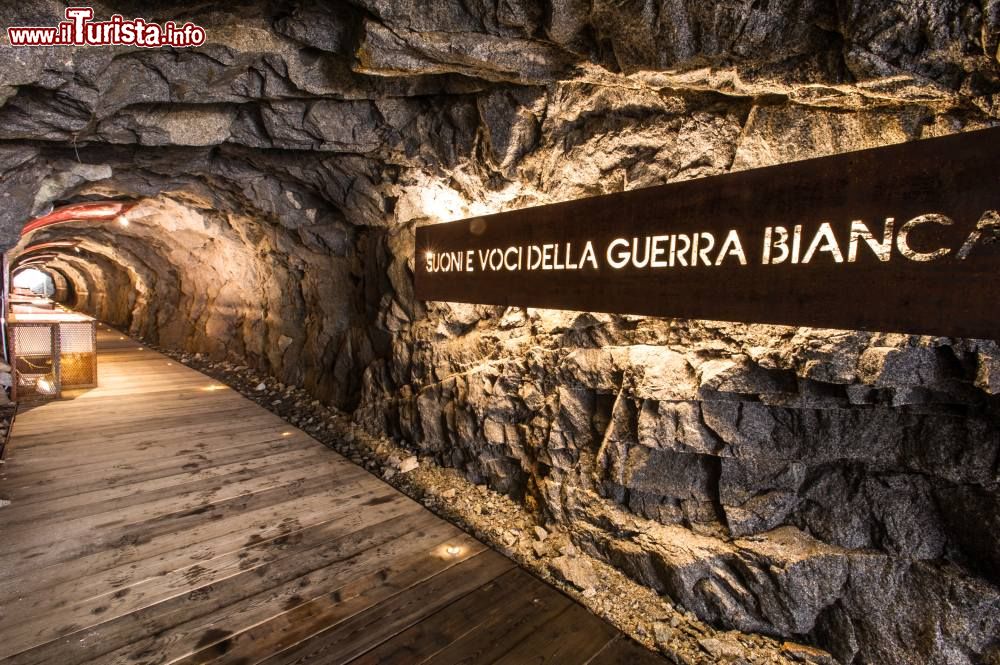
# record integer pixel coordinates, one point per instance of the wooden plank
(193, 412)
(501, 630)
(507, 598)
(129, 559)
(125, 477)
(126, 431)
(81, 504)
(46, 621)
(164, 438)
(44, 552)
(135, 570)
(571, 637)
(81, 643)
(202, 496)
(624, 651)
(303, 613)
(168, 439)
(352, 637)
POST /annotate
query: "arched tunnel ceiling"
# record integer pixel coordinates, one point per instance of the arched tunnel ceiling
(312, 114)
(772, 479)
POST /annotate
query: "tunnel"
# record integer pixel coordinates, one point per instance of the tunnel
(718, 491)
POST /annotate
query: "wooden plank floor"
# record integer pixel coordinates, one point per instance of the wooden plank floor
(164, 518)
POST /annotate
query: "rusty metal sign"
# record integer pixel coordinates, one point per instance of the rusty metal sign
(896, 239)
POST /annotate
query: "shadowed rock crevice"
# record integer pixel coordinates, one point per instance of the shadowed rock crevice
(832, 487)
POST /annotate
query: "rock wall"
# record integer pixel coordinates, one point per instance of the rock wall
(834, 487)
(830, 486)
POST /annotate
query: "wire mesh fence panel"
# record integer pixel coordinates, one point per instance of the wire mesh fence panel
(35, 349)
(77, 355)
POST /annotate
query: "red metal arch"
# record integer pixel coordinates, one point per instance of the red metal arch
(34, 260)
(97, 211)
(54, 246)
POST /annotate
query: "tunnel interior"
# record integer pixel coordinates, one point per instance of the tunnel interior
(831, 487)
(181, 271)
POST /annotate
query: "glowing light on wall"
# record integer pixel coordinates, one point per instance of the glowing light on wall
(440, 203)
(55, 244)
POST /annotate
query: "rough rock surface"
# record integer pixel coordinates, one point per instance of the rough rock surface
(832, 488)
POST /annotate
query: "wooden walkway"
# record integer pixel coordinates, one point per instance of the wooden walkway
(164, 518)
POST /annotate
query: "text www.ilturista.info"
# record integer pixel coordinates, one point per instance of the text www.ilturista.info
(79, 30)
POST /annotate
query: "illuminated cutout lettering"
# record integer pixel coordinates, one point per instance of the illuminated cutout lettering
(618, 253)
(780, 245)
(702, 253)
(796, 242)
(775, 238)
(732, 247)
(902, 240)
(512, 258)
(860, 231)
(824, 241)
(989, 222)
(644, 261)
(460, 261)
(676, 250)
(534, 257)
(682, 252)
(659, 252)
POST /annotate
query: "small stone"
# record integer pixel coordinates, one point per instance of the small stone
(589, 592)
(509, 538)
(541, 533)
(807, 654)
(409, 464)
(449, 493)
(387, 474)
(539, 548)
(577, 571)
(663, 633)
(718, 647)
